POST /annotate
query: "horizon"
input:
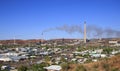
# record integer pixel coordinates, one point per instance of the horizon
(27, 19)
(61, 38)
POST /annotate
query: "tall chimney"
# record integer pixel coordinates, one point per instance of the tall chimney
(85, 32)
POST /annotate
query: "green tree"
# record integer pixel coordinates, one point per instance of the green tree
(80, 68)
(115, 69)
(47, 59)
(22, 68)
(65, 66)
(63, 59)
(107, 50)
(38, 67)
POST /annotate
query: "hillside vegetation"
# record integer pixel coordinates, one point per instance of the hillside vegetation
(108, 64)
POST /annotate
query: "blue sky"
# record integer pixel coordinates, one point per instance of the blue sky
(26, 19)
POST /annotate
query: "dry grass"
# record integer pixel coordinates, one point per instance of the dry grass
(110, 64)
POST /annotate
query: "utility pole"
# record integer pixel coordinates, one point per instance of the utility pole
(14, 41)
(85, 32)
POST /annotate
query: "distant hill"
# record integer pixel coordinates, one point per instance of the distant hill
(62, 40)
(20, 41)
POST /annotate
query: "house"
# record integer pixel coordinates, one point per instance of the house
(53, 68)
(114, 52)
(96, 55)
(99, 50)
(44, 53)
(77, 53)
(12, 54)
(0, 44)
(103, 55)
(94, 60)
(5, 67)
(96, 51)
(114, 43)
(5, 59)
(81, 59)
(74, 59)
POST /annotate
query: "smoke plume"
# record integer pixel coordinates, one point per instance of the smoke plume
(67, 28)
(70, 29)
(96, 31)
(92, 30)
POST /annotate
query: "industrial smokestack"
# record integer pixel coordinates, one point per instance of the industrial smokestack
(85, 32)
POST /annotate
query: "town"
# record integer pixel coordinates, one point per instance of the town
(59, 35)
(55, 54)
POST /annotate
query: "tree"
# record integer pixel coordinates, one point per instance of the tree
(65, 66)
(38, 67)
(63, 59)
(115, 69)
(107, 50)
(47, 59)
(22, 68)
(80, 68)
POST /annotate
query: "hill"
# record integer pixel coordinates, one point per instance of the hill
(108, 64)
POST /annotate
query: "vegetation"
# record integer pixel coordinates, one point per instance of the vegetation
(34, 67)
(63, 59)
(107, 50)
(38, 67)
(22, 68)
(6, 69)
(47, 59)
(65, 66)
(80, 68)
(109, 64)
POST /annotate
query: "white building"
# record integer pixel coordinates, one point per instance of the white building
(53, 68)
(103, 55)
(5, 59)
(112, 42)
(12, 54)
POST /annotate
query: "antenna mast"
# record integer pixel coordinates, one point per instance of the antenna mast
(85, 32)
(14, 40)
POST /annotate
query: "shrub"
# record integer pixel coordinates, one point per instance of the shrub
(106, 66)
(115, 69)
(80, 68)
(38, 67)
(95, 65)
(22, 68)
(65, 66)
